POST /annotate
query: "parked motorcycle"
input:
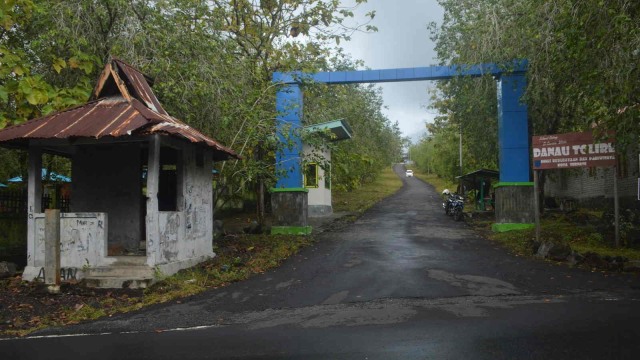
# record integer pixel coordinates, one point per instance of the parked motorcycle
(446, 204)
(453, 205)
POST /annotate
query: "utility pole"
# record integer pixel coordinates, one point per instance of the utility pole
(460, 149)
(461, 189)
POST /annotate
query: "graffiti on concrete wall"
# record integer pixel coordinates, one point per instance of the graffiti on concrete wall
(82, 239)
(66, 274)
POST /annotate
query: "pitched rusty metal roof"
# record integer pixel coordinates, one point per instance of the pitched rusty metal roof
(123, 105)
(139, 86)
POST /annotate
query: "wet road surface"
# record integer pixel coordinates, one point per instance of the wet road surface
(402, 282)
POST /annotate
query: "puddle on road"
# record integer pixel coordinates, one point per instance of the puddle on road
(379, 312)
(285, 284)
(323, 316)
(475, 285)
(336, 298)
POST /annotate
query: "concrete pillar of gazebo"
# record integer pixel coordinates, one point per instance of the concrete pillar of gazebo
(152, 218)
(34, 206)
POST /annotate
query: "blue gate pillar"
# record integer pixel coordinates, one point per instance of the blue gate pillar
(288, 127)
(289, 198)
(513, 129)
(514, 192)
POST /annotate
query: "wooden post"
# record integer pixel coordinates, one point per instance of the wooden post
(52, 247)
(616, 205)
(536, 203)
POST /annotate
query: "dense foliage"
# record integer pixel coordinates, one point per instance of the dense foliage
(376, 141)
(212, 63)
(584, 59)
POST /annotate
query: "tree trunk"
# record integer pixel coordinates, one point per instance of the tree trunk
(260, 190)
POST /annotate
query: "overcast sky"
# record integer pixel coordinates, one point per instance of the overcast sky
(402, 41)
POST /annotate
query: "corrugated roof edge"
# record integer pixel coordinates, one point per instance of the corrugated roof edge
(153, 117)
(43, 118)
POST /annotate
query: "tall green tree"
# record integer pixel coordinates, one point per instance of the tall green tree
(583, 61)
(39, 73)
(376, 143)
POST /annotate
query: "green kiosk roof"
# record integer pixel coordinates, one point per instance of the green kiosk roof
(339, 128)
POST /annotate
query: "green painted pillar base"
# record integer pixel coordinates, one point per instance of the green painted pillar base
(510, 226)
(290, 209)
(291, 230)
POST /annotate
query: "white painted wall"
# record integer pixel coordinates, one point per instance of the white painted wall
(83, 242)
(185, 236)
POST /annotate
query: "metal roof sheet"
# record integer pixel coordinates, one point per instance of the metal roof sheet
(116, 115)
(140, 86)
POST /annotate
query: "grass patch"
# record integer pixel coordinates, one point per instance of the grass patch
(518, 241)
(438, 183)
(559, 229)
(367, 195)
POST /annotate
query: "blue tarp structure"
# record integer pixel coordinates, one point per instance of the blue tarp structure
(2, 185)
(53, 176)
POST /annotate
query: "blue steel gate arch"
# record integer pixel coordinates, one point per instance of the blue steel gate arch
(513, 129)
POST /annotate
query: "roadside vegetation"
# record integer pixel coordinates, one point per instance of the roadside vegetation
(584, 231)
(582, 74)
(563, 229)
(578, 238)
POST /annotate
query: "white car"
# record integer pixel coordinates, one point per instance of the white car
(409, 173)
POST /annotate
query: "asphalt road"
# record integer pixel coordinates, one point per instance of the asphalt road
(403, 282)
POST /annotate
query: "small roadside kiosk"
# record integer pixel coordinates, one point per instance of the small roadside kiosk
(123, 228)
(317, 163)
(480, 182)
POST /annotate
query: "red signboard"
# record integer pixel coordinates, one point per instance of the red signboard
(572, 150)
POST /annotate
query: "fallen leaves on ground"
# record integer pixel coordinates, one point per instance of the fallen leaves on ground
(28, 306)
